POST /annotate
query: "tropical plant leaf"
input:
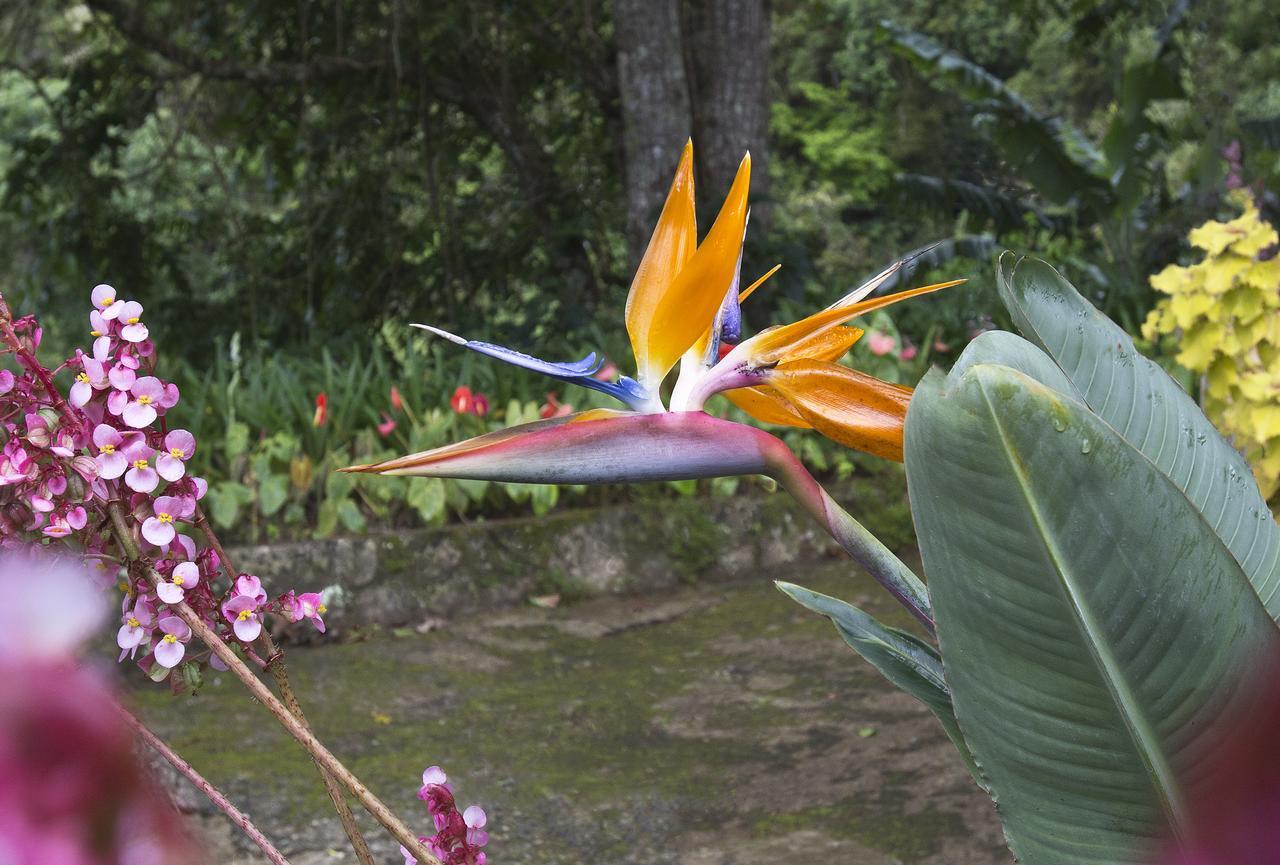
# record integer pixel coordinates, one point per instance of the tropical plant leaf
(1009, 349)
(951, 195)
(905, 660)
(1094, 626)
(1148, 408)
(1053, 156)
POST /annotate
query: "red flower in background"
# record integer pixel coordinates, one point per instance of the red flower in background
(322, 410)
(464, 401)
(554, 408)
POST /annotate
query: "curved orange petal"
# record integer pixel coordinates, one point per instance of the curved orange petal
(750, 289)
(765, 404)
(687, 308)
(773, 344)
(673, 242)
(824, 345)
(847, 406)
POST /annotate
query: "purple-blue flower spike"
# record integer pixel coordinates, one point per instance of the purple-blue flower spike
(626, 390)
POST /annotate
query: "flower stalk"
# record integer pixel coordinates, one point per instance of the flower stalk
(280, 672)
(296, 728)
(216, 796)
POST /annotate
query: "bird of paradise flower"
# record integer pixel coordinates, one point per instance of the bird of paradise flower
(684, 308)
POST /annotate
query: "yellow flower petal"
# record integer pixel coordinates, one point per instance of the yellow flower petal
(847, 406)
(773, 344)
(672, 245)
(767, 405)
(686, 309)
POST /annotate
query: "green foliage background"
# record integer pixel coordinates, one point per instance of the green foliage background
(275, 217)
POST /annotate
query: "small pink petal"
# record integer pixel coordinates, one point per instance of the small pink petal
(169, 593)
(169, 655)
(134, 332)
(247, 629)
(157, 532)
(142, 480)
(170, 468)
(138, 415)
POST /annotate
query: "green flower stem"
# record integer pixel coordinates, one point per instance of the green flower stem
(865, 548)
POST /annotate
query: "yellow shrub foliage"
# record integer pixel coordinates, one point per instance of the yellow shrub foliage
(1227, 310)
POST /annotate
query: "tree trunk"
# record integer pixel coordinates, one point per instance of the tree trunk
(655, 108)
(727, 45)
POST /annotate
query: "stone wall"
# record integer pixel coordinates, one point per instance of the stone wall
(407, 576)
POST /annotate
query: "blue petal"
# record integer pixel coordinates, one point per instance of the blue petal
(579, 372)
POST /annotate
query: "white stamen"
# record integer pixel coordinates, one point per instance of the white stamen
(452, 337)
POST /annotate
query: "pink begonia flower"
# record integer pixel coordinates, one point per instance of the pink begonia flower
(179, 446)
(6, 381)
(608, 372)
(141, 477)
(881, 343)
(158, 529)
(939, 345)
(66, 443)
(242, 612)
(146, 392)
(248, 584)
(908, 352)
(121, 377)
(93, 376)
(104, 300)
(186, 575)
(309, 606)
(64, 524)
(49, 608)
(131, 317)
(110, 459)
(38, 432)
(172, 646)
(475, 819)
(136, 629)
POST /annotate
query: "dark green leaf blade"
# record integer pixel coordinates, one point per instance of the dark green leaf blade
(1148, 408)
(1093, 625)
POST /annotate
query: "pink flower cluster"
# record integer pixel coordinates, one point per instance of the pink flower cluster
(459, 835)
(65, 462)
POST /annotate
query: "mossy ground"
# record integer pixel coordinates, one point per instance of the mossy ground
(648, 729)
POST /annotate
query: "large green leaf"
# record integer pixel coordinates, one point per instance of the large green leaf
(905, 660)
(1092, 623)
(1148, 408)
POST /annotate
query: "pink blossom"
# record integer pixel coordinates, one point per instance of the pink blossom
(136, 627)
(608, 372)
(475, 818)
(38, 432)
(387, 426)
(131, 317)
(121, 376)
(6, 381)
(881, 343)
(248, 584)
(186, 575)
(308, 605)
(104, 299)
(172, 646)
(141, 477)
(179, 446)
(65, 523)
(242, 612)
(908, 352)
(140, 411)
(158, 529)
(110, 459)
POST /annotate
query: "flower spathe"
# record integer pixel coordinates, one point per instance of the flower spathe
(683, 308)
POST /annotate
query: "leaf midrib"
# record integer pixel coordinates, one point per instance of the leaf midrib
(1144, 738)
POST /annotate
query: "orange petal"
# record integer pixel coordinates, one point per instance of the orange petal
(824, 345)
(773, 344)
(673, 242)
(687, 308)
(747, 292)
(765, 404)
(849, 407)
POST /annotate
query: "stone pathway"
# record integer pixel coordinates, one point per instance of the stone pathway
(714, 725)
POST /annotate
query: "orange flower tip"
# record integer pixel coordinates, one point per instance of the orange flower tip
(452, 337)
(364, 467)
